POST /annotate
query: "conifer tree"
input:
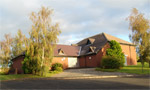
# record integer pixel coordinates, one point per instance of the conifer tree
(115, 50)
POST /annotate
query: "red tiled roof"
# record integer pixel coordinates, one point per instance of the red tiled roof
(67, 49)
(97, 42)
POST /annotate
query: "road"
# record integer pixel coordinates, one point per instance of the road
(105, 83)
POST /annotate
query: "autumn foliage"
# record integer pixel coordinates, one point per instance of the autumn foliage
(140, 27)
(38, 48)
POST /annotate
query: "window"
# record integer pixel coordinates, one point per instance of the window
(63, 58)
(60, 52)
(88, 42)
(90, 57)
(92, 49)
(125, 63)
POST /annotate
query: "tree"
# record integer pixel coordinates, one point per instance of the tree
(43, 38)
(115, 50)
(140, 36)
(5, 50)
(114, 56)
(19, 44)
(145, 48)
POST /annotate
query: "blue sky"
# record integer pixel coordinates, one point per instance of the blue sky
(78, 19)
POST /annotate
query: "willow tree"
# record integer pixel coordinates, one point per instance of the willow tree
(43, 37)
(19, 44)
(140, 27)
(5, 50)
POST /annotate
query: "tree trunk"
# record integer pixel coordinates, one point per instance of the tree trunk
(42, 62)
(142, 62)
(42, 57)
(149, 64)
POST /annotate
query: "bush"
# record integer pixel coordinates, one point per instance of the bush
(59, 69)
(30, 65)
(4, 71)
(110, 62)
(54, 66)
(26, 65)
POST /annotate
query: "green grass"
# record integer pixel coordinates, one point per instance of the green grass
(51, 73)
(134, 69)
(12, 77)
(22, 76)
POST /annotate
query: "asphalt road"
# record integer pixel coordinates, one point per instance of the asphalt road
(105, 83)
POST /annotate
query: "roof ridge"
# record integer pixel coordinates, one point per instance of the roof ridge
(67, 45)
(95, 35)
(90, 37)
(105, 34)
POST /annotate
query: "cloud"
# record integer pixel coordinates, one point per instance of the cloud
(77, 19)
(124, 4)
(15, 15)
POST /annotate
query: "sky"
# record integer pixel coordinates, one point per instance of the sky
(78, 19)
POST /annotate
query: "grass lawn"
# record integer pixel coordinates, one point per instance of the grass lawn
(134, 69)
(20, 76)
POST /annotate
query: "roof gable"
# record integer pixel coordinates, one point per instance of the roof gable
(99, 38)
(98, 41)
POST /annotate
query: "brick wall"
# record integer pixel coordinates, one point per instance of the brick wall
(17, 64)
(62, 60)
(130, 52)
(102, 53)
(86, 61)
(93, 60)
(82, 61)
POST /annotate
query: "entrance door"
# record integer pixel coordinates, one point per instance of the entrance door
(125, 60)
(73, 62)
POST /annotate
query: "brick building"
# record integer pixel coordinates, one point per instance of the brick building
(86, 53)
(93, 48)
